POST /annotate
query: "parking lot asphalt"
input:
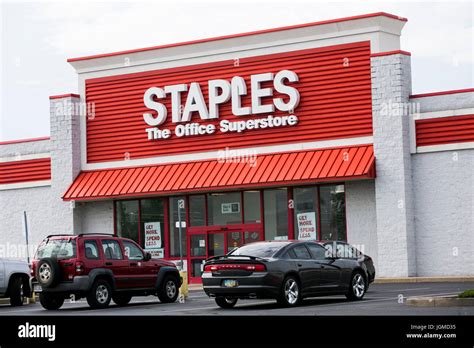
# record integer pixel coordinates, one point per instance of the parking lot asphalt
(381, 299)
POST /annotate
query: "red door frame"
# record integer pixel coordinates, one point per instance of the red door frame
(225, 230)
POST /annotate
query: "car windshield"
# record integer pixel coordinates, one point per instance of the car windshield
(258, 249)
(58, 248)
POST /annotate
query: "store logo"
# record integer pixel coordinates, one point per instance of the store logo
(221, 92)
(37, 331)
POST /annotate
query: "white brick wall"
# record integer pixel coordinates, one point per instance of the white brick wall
(444, 206)
(65, 155)
(96, 217)
(445, 102)
(361, 216)
(36, 202)
(391, 87)
(47, 212)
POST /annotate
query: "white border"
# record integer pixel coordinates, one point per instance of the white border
(434, 115)
(443, 113)
(23, 185)
(445, 147)
(214, 154)
(21, 157)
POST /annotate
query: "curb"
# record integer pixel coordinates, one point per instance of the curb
(424, 279)
(439, 301)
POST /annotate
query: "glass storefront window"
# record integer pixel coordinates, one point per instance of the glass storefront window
(174, 231)
(197, 210)
(333, 212)
(306, 212)
(252, 212)
(276, 213)
(127, 219)
(224, 208)
(152, 216)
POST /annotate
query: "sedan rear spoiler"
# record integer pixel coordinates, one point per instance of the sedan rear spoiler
(223, 257)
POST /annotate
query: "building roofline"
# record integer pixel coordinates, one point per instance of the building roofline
(69, 95)
(434, 94)
(217, 38)
(27, 140)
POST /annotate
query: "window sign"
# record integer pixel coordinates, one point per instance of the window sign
(229, 208)
(306, 226)
(152, 236)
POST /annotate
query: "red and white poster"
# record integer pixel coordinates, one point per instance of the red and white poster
(306, 226)
(153, 239)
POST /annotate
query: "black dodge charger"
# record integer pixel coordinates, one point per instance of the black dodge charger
(287, 271)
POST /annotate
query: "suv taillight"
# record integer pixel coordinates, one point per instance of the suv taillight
(244, 267)
(79, 267)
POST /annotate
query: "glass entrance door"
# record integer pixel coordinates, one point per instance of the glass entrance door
(197, 251)
(206, 242)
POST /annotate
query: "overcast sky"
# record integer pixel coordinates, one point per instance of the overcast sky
(38, 37)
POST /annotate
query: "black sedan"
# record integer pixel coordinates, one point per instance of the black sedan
(345, 250)
(287, 271)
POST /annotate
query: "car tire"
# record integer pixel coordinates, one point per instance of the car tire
(290, 293)
(226, 302)
(168, 290)
(357, 287)
(16, 292)
(121, 299)
(48, 272)
(100, 294)
(50, 301)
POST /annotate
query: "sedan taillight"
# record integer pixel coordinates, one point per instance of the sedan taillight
(235, 266)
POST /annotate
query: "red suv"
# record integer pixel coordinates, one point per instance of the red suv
(100, 268)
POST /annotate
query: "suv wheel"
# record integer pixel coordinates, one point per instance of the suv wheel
(169, 289)
(16, 291)
(357, 287)
(121, 299)
(47, 272)
(100, 294)
(226, 302)
(290, 293)
(50, 301)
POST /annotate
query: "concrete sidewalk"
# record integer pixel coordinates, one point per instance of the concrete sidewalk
(424, 279)
(196, 287)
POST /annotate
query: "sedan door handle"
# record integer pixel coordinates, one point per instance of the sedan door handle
(108, 263)
(300, 265)
(133, 263)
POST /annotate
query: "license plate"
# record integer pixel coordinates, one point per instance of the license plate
(230, 283)
(37, 288)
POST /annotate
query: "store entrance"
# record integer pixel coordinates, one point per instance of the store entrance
(206, 242)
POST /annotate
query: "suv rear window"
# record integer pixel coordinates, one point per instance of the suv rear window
(58, 248)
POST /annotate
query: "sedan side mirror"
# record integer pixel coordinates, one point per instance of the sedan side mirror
(147, 256)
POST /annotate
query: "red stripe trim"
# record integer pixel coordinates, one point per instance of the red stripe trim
(388, 53)
(23, 140)
(445, 130)
(60, 96)
(433, 94)
(272, 30)
(25, 171)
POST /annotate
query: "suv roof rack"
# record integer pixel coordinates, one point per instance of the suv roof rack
(95, 234)
(60, 234)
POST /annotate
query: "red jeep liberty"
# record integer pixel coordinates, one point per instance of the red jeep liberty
(100, 268)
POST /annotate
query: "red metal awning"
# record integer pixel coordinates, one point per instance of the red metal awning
(281, 169)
